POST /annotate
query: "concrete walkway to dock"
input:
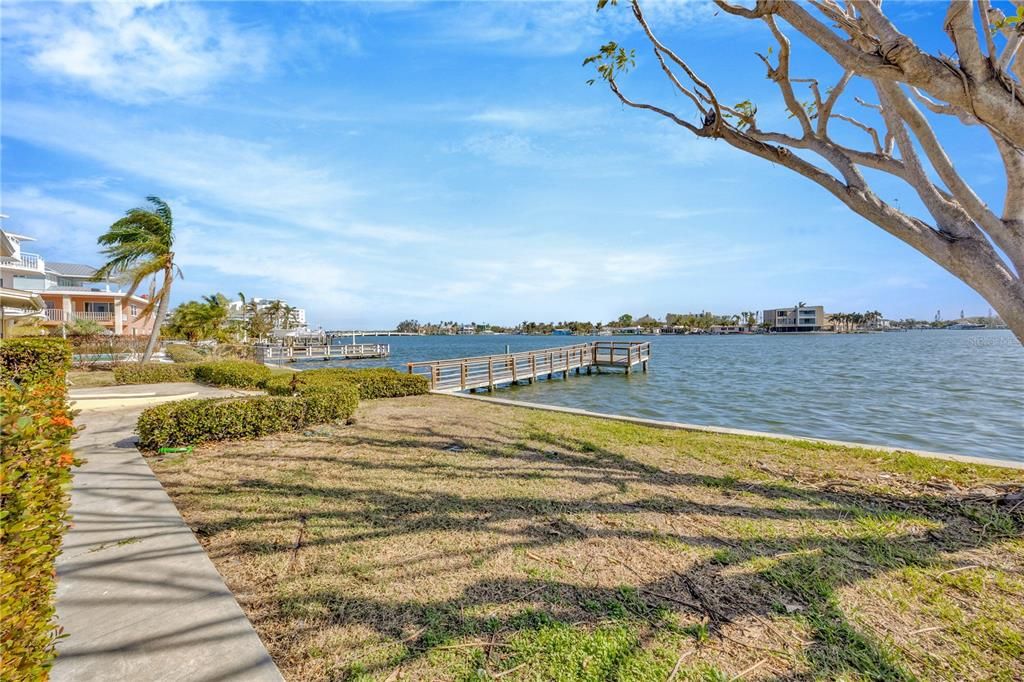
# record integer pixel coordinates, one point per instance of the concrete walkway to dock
(137, 596)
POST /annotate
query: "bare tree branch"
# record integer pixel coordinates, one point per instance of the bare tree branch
(825, 110)
(1011, 244)
(964, 34)
(985, 9)
(866, 128)
(965, 233)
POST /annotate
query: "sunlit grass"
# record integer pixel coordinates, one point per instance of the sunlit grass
(439, 538)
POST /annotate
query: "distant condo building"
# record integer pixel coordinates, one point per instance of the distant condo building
(58, 294)
(795, 319)
(237, 312)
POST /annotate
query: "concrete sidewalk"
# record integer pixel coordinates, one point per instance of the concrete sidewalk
(136, 594)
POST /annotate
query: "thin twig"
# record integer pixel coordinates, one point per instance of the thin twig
(749, 670)
(679, 663)
(298, 543)
(470, 644)
(931, 629)
(506, 672)
(957, 570)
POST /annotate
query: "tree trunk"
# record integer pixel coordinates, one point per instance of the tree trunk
(161, 312)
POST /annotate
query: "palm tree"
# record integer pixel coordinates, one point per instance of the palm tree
(273, 310)
(241, 298)
(289, 316)
(138, 246)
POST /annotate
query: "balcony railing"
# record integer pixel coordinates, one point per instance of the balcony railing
(60, 315)
(27, 261)
(95, 317)
(57, 315)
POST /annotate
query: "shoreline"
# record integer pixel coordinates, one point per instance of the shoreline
(683, 426)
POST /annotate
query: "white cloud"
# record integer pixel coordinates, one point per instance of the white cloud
(509, 150)
(222, 170)
(52, 220)
(556, 28)
(534, 118)
(134, 51)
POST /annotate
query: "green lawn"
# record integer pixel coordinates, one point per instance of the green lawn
(440, 538)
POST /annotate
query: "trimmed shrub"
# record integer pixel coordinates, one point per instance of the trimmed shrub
(191, 422)
(326, 404)
(35, 472)
(372, 382)
(181, 353)
(236, 373)
(153, 372)
(32, 359)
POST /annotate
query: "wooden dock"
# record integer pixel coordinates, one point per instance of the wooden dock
(491, 371)
(350, 351)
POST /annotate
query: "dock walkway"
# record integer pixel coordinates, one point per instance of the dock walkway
(348, 351)
(491, 371)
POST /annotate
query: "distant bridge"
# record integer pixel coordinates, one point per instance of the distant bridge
(341, 333)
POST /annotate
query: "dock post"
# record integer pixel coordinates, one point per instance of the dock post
(490, 375)
(645, 366)
(551, 365)
(463, 372)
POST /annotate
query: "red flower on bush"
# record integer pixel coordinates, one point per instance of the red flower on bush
(66, 459)
(61, 420)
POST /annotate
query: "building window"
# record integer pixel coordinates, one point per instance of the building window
(134, 310)
(97, 307)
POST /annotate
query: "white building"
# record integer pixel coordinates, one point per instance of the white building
(807, 318)
(67, 292)
(236, 310)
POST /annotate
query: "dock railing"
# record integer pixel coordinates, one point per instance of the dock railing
(350, 351)
(489, 371)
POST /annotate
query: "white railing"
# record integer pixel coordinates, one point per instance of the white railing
(326, 351)
(58, 315)
(27, 261)
(95, 317)
(488, 371)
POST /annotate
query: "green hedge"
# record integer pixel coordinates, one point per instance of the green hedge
(153, 372)
(372, 382)
(236, 373)
(31, 359)
(35, 472)
(191, 422)
(181, 353)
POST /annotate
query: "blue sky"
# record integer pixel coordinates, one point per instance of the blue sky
(374, 162)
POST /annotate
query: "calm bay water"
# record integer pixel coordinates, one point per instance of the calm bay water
(950, 391)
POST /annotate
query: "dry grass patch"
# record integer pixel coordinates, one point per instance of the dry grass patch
(440, 538)
(90, 378)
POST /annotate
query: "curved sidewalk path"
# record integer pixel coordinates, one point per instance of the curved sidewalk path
(137, 596)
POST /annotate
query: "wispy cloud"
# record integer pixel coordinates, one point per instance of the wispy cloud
(231, 172)
(134, 51)
(553, 28)
(543, 119)
(509, 150)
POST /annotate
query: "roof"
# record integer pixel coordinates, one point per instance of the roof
(70, 269)
(16, 298)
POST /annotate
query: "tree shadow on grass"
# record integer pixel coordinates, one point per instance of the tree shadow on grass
(797, 577)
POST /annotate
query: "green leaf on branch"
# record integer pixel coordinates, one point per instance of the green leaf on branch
(611, 59)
